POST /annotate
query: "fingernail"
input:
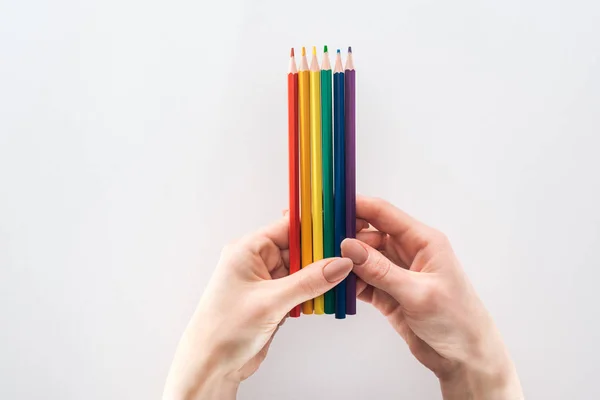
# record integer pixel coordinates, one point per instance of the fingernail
(354, 251)
(337, 269)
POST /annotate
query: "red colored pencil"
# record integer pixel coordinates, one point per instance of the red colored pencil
(294, 172)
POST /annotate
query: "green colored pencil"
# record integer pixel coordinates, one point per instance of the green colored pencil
(327, 151)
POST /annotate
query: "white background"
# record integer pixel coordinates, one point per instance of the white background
(138, 137)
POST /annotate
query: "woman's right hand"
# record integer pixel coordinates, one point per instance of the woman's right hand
(410, 273)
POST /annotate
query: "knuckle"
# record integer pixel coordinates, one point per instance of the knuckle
(258, 242)
(424, 295)
(234, 245)
(228, 250)
(380, 204)
(262, 355)
(381, 268)
(261, 307)
(433, 241)
(253, 243)
(308, 286)
(431, 296)
(439, 238)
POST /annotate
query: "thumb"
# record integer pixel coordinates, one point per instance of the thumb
(311, 281)
(376, 269)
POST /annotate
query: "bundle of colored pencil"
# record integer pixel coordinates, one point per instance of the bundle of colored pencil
(322, 171)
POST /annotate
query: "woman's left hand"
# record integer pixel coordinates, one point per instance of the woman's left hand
(247, 299)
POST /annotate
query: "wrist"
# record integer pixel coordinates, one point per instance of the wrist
(205, 385)
(200, 378)
(488, 375)
(482, 385)
(214, 387)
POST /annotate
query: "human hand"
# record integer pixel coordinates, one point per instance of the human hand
(410, 273)
(247, 299)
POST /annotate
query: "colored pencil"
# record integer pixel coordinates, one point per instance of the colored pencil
(350, 142)
(305, 211)
(316, 171)
(327, 148)
(339, 196)
(293, 172)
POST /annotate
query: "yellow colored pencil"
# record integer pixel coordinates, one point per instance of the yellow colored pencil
(316, 170)
(305, 209)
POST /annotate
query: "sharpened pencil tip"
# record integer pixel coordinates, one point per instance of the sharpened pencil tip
(338, 51)
(325, 49)
(292, 52)
(349, 49)
(303, 51)
(314, 50)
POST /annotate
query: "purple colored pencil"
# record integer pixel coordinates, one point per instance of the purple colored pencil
(350, 156)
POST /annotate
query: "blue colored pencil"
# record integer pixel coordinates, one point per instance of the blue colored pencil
(339, 194)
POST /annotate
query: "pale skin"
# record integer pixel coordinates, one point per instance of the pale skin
(407, 270)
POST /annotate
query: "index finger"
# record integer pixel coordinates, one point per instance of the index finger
(278, 232)
(384, 216)
(410, 234)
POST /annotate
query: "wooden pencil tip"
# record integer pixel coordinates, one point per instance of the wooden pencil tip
(325, 49)
(349, 49)
(292, 52)
(314, 50)
(303, 51)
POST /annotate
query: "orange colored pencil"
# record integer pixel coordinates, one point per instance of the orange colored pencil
(293, 172)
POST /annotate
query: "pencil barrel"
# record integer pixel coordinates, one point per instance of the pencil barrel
(339, 196)
(327, 147)
(316, 176)
(305, 194)
(294, 197)
(350, 157)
